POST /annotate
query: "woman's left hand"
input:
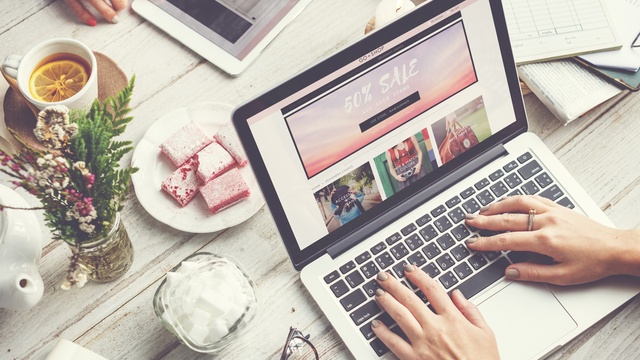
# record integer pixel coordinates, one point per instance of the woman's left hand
(456, 329)
(108, 10)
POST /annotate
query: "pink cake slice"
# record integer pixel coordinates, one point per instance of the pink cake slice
(183, 183)
(184, 143)
(213, 161)
(225, 190)
(228, 138)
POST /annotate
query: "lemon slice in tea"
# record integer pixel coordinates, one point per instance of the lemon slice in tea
(57, 80)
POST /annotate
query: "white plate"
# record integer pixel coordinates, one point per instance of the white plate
(155, 167)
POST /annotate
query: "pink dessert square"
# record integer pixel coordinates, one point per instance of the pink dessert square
(184, 143)
(225, 190)
(183, 183)
(228, 138)
(213, 161)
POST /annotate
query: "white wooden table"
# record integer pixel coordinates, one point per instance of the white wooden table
(117, 320)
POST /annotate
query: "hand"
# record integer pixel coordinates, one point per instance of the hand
(457, 329)
(582, 250)
(109, 12)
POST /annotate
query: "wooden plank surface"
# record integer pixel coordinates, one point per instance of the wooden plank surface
(117, 320)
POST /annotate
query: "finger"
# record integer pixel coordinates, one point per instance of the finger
(81, 12)
(395, 343)
(105, 10)
(119, 4)
(435, 293)
(515, 204)
(502, 222)
(515, 241)
(392, 297)
(535, 273)
(469, 310)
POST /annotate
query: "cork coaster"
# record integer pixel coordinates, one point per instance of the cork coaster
(19, 118)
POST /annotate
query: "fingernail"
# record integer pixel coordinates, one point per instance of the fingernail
(459, 293)
(470, 216)
(116, 19)
(375, 323)
(379, 292)
(484, 208)
(512, 274)
(471, 240)
(504, 197)
(91, 22)
(409, 268)
(382, 276)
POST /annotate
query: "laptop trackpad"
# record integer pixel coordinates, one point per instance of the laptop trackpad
(526, 319)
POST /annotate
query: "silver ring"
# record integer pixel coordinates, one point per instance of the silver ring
(532, 213)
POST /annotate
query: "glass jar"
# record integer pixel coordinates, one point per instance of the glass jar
(106, 258)
(206, 302)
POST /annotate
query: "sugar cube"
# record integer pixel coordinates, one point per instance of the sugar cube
(183, 183)
(186, 142)
(225, 190)
(228, 138)
(213, 160)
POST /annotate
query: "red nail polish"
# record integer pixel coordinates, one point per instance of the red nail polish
(92, 22)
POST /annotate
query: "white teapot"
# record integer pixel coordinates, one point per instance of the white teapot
(21, 286)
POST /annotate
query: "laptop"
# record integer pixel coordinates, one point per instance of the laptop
(371, 158)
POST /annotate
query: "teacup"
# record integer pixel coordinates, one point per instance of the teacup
(19, 69)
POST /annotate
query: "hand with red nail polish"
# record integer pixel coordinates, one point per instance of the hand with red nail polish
(456, 330)
(108, 11)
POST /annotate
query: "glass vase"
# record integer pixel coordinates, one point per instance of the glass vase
(106, 258)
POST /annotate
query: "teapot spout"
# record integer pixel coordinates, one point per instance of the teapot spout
(26, 291)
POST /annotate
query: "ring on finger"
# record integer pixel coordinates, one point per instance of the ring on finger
(532, 213)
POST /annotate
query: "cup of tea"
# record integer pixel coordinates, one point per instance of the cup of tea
(55, 72)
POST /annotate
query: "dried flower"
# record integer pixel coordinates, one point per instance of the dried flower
(53, 128)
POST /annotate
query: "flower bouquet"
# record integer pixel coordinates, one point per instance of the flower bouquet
(80, 183)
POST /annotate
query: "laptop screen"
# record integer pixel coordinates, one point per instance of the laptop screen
(354, 136)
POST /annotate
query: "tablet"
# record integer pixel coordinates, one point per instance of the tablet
(228, 33)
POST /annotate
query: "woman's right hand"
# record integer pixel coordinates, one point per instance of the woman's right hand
(582, 250)
(108, 10)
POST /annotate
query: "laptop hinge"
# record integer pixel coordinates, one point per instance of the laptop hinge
(420, 198)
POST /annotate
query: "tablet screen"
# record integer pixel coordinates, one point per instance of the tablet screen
(236, 26)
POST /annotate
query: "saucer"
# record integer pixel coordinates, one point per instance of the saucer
(19, 118)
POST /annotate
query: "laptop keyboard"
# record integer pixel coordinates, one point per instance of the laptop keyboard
(435, 242)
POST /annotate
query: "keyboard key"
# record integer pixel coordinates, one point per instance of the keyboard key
(485, 198)
(347, 267)
(499, 189)
(467, 192)
(445, 261)
(524, 157)
(399, 269)
(431, 251)
(484, 278)
(371, 287)
(445, 241)
(543, 180)
(512, 180)
(414, 242)
(365, 312)
(510, 166)
(384, 260)
(409, 229)
(443, 224)
(379, 347)
(354, 279)
(331, 277)
(352, 300)
(423, 220)
(363, 257)
(393, 238)
(477, 261)
(530, 188)
(431, 270)
(471, 206)
(438, 211)
(492, 255)
(481, 184)
(366, 330)
(428, 233)
(515, 192)
(529, 169)
(417, 259)
(452, 202)
(519, 256)
(448, 279)
(339, 288)
(460, 232)
(566, 203)
(552, 193)
(399, 251)
(378, 248)
(456, 215)
(369, 269)
(496, 175)
(463, 270)
(460, 252)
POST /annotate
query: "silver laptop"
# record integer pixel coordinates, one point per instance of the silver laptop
(370, 160)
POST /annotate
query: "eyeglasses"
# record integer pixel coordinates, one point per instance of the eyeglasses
(298, 347)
